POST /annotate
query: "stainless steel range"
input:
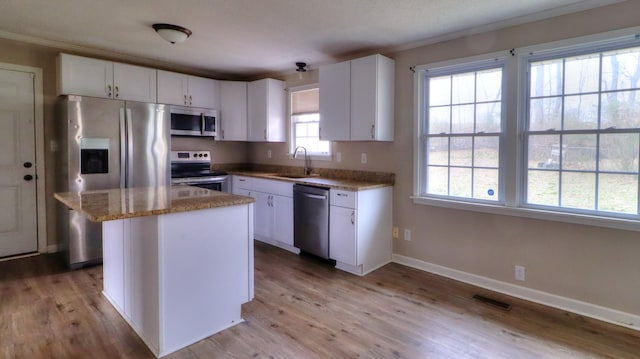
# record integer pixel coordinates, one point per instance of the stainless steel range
(193, 168)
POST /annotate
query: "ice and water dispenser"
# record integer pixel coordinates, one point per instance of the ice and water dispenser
(94, 155)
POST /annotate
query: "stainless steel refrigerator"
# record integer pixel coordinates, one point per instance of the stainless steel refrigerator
(105, 144)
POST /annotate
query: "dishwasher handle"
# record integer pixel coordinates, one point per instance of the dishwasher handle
(314, 196)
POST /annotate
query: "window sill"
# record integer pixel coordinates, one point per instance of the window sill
(615, 223)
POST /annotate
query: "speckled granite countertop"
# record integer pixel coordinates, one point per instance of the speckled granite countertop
(111, 204)
(347, 184)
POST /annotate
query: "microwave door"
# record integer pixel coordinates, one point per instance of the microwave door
(186, 124)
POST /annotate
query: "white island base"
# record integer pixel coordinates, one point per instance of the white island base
(178, 278)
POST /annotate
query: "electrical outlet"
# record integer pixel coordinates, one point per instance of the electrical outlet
(269, 153)
(363, 158)
(407, 234)
(339, 156)
(396, 232)
(519, 273)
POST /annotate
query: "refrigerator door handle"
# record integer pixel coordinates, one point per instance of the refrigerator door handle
(123, 149)
(129, 149)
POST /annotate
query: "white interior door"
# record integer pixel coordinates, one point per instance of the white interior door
(18, 212)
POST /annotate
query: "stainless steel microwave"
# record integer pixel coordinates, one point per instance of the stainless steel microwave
(190, 121)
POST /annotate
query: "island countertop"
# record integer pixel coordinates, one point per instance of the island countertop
(121, 203)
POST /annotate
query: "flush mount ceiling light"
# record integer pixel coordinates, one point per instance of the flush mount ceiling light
(172, 33)
(301, 66)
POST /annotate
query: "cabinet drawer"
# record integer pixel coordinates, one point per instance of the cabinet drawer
(240, 182)
(276, 187)
(343, 198)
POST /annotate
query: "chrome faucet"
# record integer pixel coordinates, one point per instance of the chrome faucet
(307, 160)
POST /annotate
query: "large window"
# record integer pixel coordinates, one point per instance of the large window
(583, 131)
(462, 131)
(550, 131)
(305, 121)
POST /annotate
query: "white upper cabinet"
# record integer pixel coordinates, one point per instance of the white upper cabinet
(98, 78)
(357, 100)
(266, 111)
(186, 90)
(232, 112)
(335, 99)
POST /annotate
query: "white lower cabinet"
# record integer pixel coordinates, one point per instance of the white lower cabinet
(273, 217)
(360, 225)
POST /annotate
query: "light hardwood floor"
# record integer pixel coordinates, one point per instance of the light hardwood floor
(303, 308)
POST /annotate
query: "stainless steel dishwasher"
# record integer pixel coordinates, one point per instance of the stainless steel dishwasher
(311, 220)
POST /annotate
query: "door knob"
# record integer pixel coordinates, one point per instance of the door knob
(28, 177)
(27, 165)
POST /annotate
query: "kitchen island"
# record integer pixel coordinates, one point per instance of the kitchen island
(177, 261)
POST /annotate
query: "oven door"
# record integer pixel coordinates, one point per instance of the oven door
(218, 183)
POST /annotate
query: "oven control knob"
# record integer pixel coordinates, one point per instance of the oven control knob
(205, 155)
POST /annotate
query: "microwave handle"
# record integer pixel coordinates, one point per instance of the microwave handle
(202, 125)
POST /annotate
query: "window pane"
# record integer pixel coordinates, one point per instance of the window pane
(620, 69)
(486, 152)
(485, 184)
(438, 179)
(439, 119)
(618, 193)
(461, 151)
(579, 152)
(460, 182)
(578, 190)
(545, 114)
(440, 91)
(488, 117)
(544, 151)
(462, 119)
(462, 88)
(581, 112)
(546, 78)
(542, 187)
(621, 109)
(489, 85)
(619, 152)
(301, 130)
(582, 74)
(313, 129)
(438, 151)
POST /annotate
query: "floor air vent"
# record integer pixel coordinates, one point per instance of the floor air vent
(492, 302)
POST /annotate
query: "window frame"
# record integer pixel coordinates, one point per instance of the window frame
(466, 65)
(291, 138)
(562, 54)
(514, 158)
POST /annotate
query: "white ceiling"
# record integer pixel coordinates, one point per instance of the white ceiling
(251, 37)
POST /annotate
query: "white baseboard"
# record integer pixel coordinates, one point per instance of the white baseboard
(613, 316)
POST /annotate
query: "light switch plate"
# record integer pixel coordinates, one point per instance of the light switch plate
(363, 158)
(338, 156)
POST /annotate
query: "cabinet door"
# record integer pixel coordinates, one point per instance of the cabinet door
(372, 93)
(233, 111)
(335, 98)
(363, 98)
(203, 92)
(263, 217)
(282, 219)
(172, 88)
(134, 83)
(276, 111)
(256, 111)
(85, 76)
(342, 235)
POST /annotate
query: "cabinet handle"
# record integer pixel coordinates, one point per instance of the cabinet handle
(117, 92)
(223, 134)
(190, 100)
(353, 217)
(241, 180)
(265, 134)
(342, 195)
(320, 133)
(373, 128)
(185, 99)
(109, 90)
